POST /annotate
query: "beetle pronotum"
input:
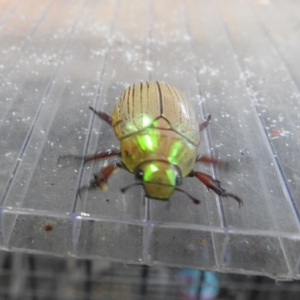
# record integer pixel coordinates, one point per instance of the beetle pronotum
(159, 136)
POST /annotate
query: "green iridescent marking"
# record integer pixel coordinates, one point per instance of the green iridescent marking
(175, 150)
(171, 177)
(150, 169)
(146, 121)
(168, 174)
(130, 127)
(145, 142)
(148, 142)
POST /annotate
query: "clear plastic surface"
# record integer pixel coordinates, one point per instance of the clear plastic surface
(232, 59)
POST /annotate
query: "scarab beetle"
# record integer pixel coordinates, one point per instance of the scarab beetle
(159, 136)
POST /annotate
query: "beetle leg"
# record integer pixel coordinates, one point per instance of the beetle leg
(101, 178)
(210, 160)
(203, 125)
(102, 115)
(102, 154)
(214, 185)
(87, 158)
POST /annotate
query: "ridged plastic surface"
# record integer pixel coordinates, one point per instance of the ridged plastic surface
(232, 59)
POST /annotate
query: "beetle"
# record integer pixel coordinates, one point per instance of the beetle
(159, 136)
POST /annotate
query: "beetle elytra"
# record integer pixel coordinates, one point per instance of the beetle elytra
(159, 136)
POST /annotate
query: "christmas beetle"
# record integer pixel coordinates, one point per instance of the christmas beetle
(159, 136)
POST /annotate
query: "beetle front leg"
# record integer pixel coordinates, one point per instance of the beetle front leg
(102, 115)
(101, 178)
(214, 185)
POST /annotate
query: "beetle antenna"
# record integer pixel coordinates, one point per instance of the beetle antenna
(196, 201)
(124, 189)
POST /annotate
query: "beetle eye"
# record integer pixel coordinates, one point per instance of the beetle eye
(178, 181)
(139, 175)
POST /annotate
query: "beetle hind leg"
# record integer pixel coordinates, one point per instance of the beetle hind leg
(214, 185)
(102, 115)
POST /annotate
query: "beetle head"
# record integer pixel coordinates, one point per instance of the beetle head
(159, 178)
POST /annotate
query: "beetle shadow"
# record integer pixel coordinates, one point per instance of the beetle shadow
(69, 160)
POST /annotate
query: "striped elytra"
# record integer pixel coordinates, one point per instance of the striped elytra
(142, 103)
